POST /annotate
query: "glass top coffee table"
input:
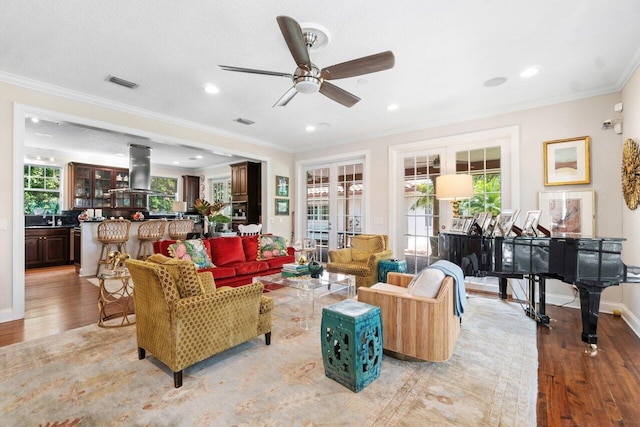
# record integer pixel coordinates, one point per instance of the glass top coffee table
(310, 289)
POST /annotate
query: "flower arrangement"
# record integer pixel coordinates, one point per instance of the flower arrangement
(213, 212)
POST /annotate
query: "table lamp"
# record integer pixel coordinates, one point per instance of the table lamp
(179, 208)
(454, 187)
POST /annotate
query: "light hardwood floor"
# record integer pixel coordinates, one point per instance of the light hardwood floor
(575, 388)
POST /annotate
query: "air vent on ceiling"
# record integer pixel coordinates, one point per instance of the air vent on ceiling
(244, 121)
(122, 82)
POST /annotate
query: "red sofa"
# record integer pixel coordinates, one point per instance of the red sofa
(235, 259)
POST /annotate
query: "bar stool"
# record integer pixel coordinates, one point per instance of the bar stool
(112, 233)
(149, 232)
(179, 228)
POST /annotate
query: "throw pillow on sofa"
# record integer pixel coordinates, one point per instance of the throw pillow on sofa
(426, 283)
(271, 247)
(192, 250)
(226, 250)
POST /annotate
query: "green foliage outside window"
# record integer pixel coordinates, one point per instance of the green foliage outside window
(41, 189)
(168, 187)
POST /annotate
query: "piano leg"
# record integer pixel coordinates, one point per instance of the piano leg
(539, 315)
(590, 307)
(502, 287)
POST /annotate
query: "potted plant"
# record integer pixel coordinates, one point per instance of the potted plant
(213, 214)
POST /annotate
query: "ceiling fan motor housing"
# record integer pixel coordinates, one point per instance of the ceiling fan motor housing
(307, 81)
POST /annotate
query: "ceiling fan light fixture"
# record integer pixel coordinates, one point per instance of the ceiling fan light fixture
(307, 84)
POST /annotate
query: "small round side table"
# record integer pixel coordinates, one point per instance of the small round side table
(115, 300)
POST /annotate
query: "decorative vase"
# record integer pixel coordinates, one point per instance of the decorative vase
(315, 269)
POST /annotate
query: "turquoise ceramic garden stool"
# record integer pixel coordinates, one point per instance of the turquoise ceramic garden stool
(388, 265)
(351, 335)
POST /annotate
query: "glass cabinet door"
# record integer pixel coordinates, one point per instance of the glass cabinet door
(122, 200)
(102, 182)
(82, 187)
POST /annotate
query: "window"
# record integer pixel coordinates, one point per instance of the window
(221, 189)
(41, 189)
(484, 166)
(168, 187)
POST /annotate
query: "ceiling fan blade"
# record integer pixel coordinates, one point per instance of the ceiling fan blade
(254, 71)
(288, 96)
(357, 67)
(339, 95)
(295, 40)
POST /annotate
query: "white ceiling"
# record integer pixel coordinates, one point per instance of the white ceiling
(444, 50)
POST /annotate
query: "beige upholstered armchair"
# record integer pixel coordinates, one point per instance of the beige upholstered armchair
(414, 324)
(182, 319)
(361, 259)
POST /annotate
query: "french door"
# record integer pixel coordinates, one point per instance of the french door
(335, 194)
(423, 216)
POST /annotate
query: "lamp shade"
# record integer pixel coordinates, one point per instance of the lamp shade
(179, 206)
(454, 187)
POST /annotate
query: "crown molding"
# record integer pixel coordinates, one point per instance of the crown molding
(73, 95)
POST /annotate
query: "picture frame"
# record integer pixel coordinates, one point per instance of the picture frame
(282, 186)
(504, 222)
(457, 225)
(466, 225)
(568, 213)
(566, 161)
(282, 206)
(483, 219)
(530, 224)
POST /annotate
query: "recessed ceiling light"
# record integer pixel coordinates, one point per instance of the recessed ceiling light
(52, 159)
(393, 107)
(529, 72)
(120, 154)
(175, 162)
(310, 128)
(211, 89)
(199, 156)
(35, 119)
(44, 134)
(496, 81)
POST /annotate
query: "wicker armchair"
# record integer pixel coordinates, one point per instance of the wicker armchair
(182, 319)
(415, 326)
(361, 259)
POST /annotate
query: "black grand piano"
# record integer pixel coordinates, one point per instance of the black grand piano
(591, 264)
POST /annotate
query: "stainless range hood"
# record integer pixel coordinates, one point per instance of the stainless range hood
(139, 172)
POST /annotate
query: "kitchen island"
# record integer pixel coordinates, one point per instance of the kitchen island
(91, 247)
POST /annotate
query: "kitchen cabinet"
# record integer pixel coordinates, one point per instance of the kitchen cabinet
(190, 191)
(46, 246)
(77, 247)
(91, 185)
(246, 193)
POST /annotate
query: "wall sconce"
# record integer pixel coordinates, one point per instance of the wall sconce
(179, 208)
(454, 187)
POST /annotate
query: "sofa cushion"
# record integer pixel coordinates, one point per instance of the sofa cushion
(221, 272)
(380, 286)
(193, 250)
(426, 283)
(162, 247)
(250, 267)
(279, 261)
(363, 246)
(271, 247)
(226, 250)
(250, 247)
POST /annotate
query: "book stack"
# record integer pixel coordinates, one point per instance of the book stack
(294, 269)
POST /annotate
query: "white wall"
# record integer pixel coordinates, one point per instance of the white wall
(631, 219)
(104, 114)
(559, 121)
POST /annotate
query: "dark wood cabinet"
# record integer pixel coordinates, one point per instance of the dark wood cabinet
(190, 191)
(91, 185)
(77, 247)
(246, 193)
(46, 247)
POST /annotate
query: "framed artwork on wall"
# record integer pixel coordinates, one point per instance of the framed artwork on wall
(282, 206)
(282, 186)
(568, 212)
(566, 161)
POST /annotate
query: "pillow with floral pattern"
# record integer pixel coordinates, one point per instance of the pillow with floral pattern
(271, 247)
(193, 250)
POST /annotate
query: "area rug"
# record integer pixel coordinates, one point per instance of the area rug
(92, 376)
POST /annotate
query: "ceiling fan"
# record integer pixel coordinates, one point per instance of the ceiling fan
(308, 78)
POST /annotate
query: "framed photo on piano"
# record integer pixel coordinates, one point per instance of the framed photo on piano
(569, 213)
